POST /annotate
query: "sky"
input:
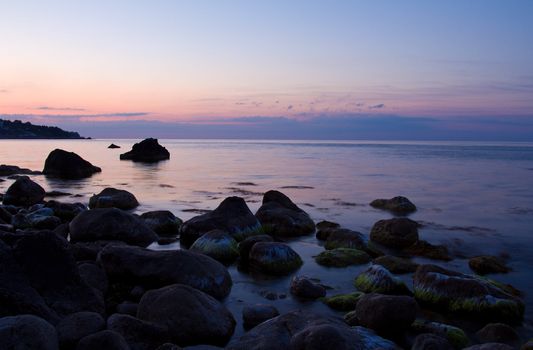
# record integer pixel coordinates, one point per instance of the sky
(330, 69)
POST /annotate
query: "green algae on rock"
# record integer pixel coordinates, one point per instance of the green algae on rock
(342, 257)
(343, 302)
(274, 258)
(378, 279)
(455, 335)
(218, 245)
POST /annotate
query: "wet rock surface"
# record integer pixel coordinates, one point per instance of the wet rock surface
(397, 205)
(148, 150)
(113, 198)
(24, 192)
(68, 165)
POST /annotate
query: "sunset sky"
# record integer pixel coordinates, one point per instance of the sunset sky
(118, 68)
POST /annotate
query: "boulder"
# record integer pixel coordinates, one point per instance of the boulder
(256, 314)
(113, 198)
(498, 333)
(8, 170)
(110, 224)
(232, 216)
(395, 264)
(94, 276)
(246, 245)
(344, 238)
(189, 315)
(430, 341)
(343, 302)
(218, 245)
(139, 334)
(282, 217)
(27, 332)
(76, 326)
(395, 233)
(305, 288)
(485, 264)
(386, 314)
(162, 222)
(103, 340)
(455, 336)
(43, 219)
(274, 258)
(428, 250)
(397, 205)
(467, 295)
(378, 279)
(160, 268)
(68, 165)
(342, 257)
(490, 346)
(66, 211)
(112, 146)
(24, 192)
(148, 151)
(304, 330)
(324, 229)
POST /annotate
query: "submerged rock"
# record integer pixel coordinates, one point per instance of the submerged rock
(486, 264)
(274, 258)
(395, 264)
(256, 314)
(379, 280)
(27, 332)
(162, 222)
(160, 268)
(428, 250)
(189, 315)
(8, 170)
(110, 224)
(68, 165)
(232, 216)
(24, 192)
(467, 295)
(455, 336)
(324, 228)
(395, 233)
(148, 150)
(398, 205)
(344, 238)
(113, 198)
(218, 245)
(304, 288)
(343, 302)
(342, 257)
(282, 217)
(386, 314)
(245, 246)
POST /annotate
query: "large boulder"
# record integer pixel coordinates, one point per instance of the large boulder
(395, 233)
(27, 332)
(232, 216)
(280, 216)
(24, 192)
(397, 205)
(274, 258)
(379, 280)
(386, 314)
(78, 325)
(301, 330)
(246, 245)
(190, 316)
(467, 295)
(113, 198)
(148, 150)
(110, 224)
(218, 245)
(156, 269)
(68, 165)
(162, 222)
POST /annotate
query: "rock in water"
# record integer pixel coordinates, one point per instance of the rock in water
(395, 233)
(148, 150)
(455, 336)
(160, 268)
(218, 245)
(256, 314)
(498, 333)
(274, 258)
(113, 146)
(113, 198)
(8, 170)
(162, 222)
(282, 217)
(395, 264)
(343, 302)
(232, 216)
(27, 332)
(68, 165)
(24, 192)
(398, 205)
(342, 257)
(190, 316)
(467, 295)
(110, 224)
(386, 314)
(379, 280)
(304, 288)
(486, 264)
(344, 238)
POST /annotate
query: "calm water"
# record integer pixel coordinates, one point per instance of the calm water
(474, 197)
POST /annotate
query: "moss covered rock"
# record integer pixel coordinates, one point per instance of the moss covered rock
(341, 257)
(395, 233)
(486, 264)
(274, 258)
(395, 264)
(344, 238)
(218, 245)
(428, 250)
(378, 279)
(455, 336)
(343, 302)
(398, 205)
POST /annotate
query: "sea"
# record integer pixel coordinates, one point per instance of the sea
(474, 197)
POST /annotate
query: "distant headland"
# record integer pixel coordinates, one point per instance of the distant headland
(25, 130)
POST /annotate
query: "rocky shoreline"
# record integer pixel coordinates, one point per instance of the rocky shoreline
(79, 276)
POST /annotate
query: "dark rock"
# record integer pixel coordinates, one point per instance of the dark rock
(379, 280)
(8, 170)
(486, 264)
(386, 314)
(27, 332)
(395, 233)
(162, 222)
(467, 295)
(232, 216)
(274, 258)
(103, 340)
(110, 224)
(527, 346)
(218, 245)
(62, 231)
(139, 334)
(455, 336)
(428, 250)
(127, 308)
(66, 211)
(498, 333)
(160, 268)
(24, 192)
(76, 326)
(256, 314)
(430, 341)
(304, 288)
(342, 257)
(43, 219)
(148, 150)
(94, 276)
(169, 346)
(113, 146)
(395, 264)
(89, 250)
(324, 229)
(57, 194)
(246, 245)
(5, 214)
(398, 205)
(113, 198)
(343, 302)
(490, 346)
(344, 238)
(279, 215)
(20, 221)
(190, 316)
(68, 165)
(351, 319)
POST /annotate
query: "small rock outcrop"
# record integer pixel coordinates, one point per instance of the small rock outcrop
(305, 288)
(112, 146)
(148, 151)
(395, 233)
(24, 192)
(485, 264)
(68, 165)
(342, 257)
(113, 198)
(397, 205)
